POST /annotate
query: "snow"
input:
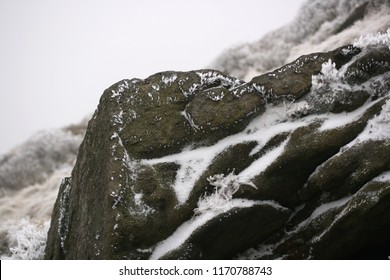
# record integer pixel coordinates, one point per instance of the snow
(329, 74)
(329, 206)
(168, 79)
(225, 188)
(190, 120)
(215, 97)
(194, 162)
(384, 177)
(43, 156)
(38, 158)
(262, 163)
(363, 196)
(256, 254)
(140, 208)
(63, 218)
(211, 77)
(28, 239)
(121, 88)
(333, 121)
(377, 128)
(297, 109)
(305, 34)
(183, 232)
(369, 40)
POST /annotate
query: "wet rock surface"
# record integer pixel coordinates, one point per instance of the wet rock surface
(199, 165)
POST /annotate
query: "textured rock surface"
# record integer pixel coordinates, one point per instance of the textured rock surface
(304, 149)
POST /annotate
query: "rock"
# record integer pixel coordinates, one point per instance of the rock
(375, 63)
(336, 23)
(200, 165)
(232, 232)
(352, 228)
(295, 78)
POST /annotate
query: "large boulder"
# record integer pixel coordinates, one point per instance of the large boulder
(200, 165)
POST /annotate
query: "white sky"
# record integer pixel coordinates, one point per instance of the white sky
(58, 56)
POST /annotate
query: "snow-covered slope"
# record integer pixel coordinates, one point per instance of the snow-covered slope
(29, 178)
(319, 26)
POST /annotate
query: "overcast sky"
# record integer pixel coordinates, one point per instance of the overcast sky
(58, 56)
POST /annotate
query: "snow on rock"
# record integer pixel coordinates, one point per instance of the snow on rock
(225, 188)
(369, 40)
(384, 177)
(203, 165)
(158, 180)
(184, 231)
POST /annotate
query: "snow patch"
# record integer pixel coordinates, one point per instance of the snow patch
(121, 88)
(384, 177)
(329, 206)
(189, 119)
(262, 163)
(183, 232)
(377, 128)
(169, 79)
(333, 121)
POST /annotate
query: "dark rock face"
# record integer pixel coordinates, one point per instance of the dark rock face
(304, 149)
(295, 78)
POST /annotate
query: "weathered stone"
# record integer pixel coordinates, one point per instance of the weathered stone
(369, 65)
(345, 173)
(294, 79)
(232, 232)
(149, 162)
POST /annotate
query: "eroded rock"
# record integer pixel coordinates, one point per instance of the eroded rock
(280, 164)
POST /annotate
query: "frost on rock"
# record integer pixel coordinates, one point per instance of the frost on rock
(369, 40)
(297, 109)
(329, 74)
(364, 198)
(184, 231)
(189, 119)
(225, 188)
(169, 79)
(384, 177)
(122, 87)
(378, 128)
(140, 208)
(215, 77)
(63, 220)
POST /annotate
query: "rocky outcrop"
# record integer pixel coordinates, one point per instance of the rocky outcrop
(200, 165)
